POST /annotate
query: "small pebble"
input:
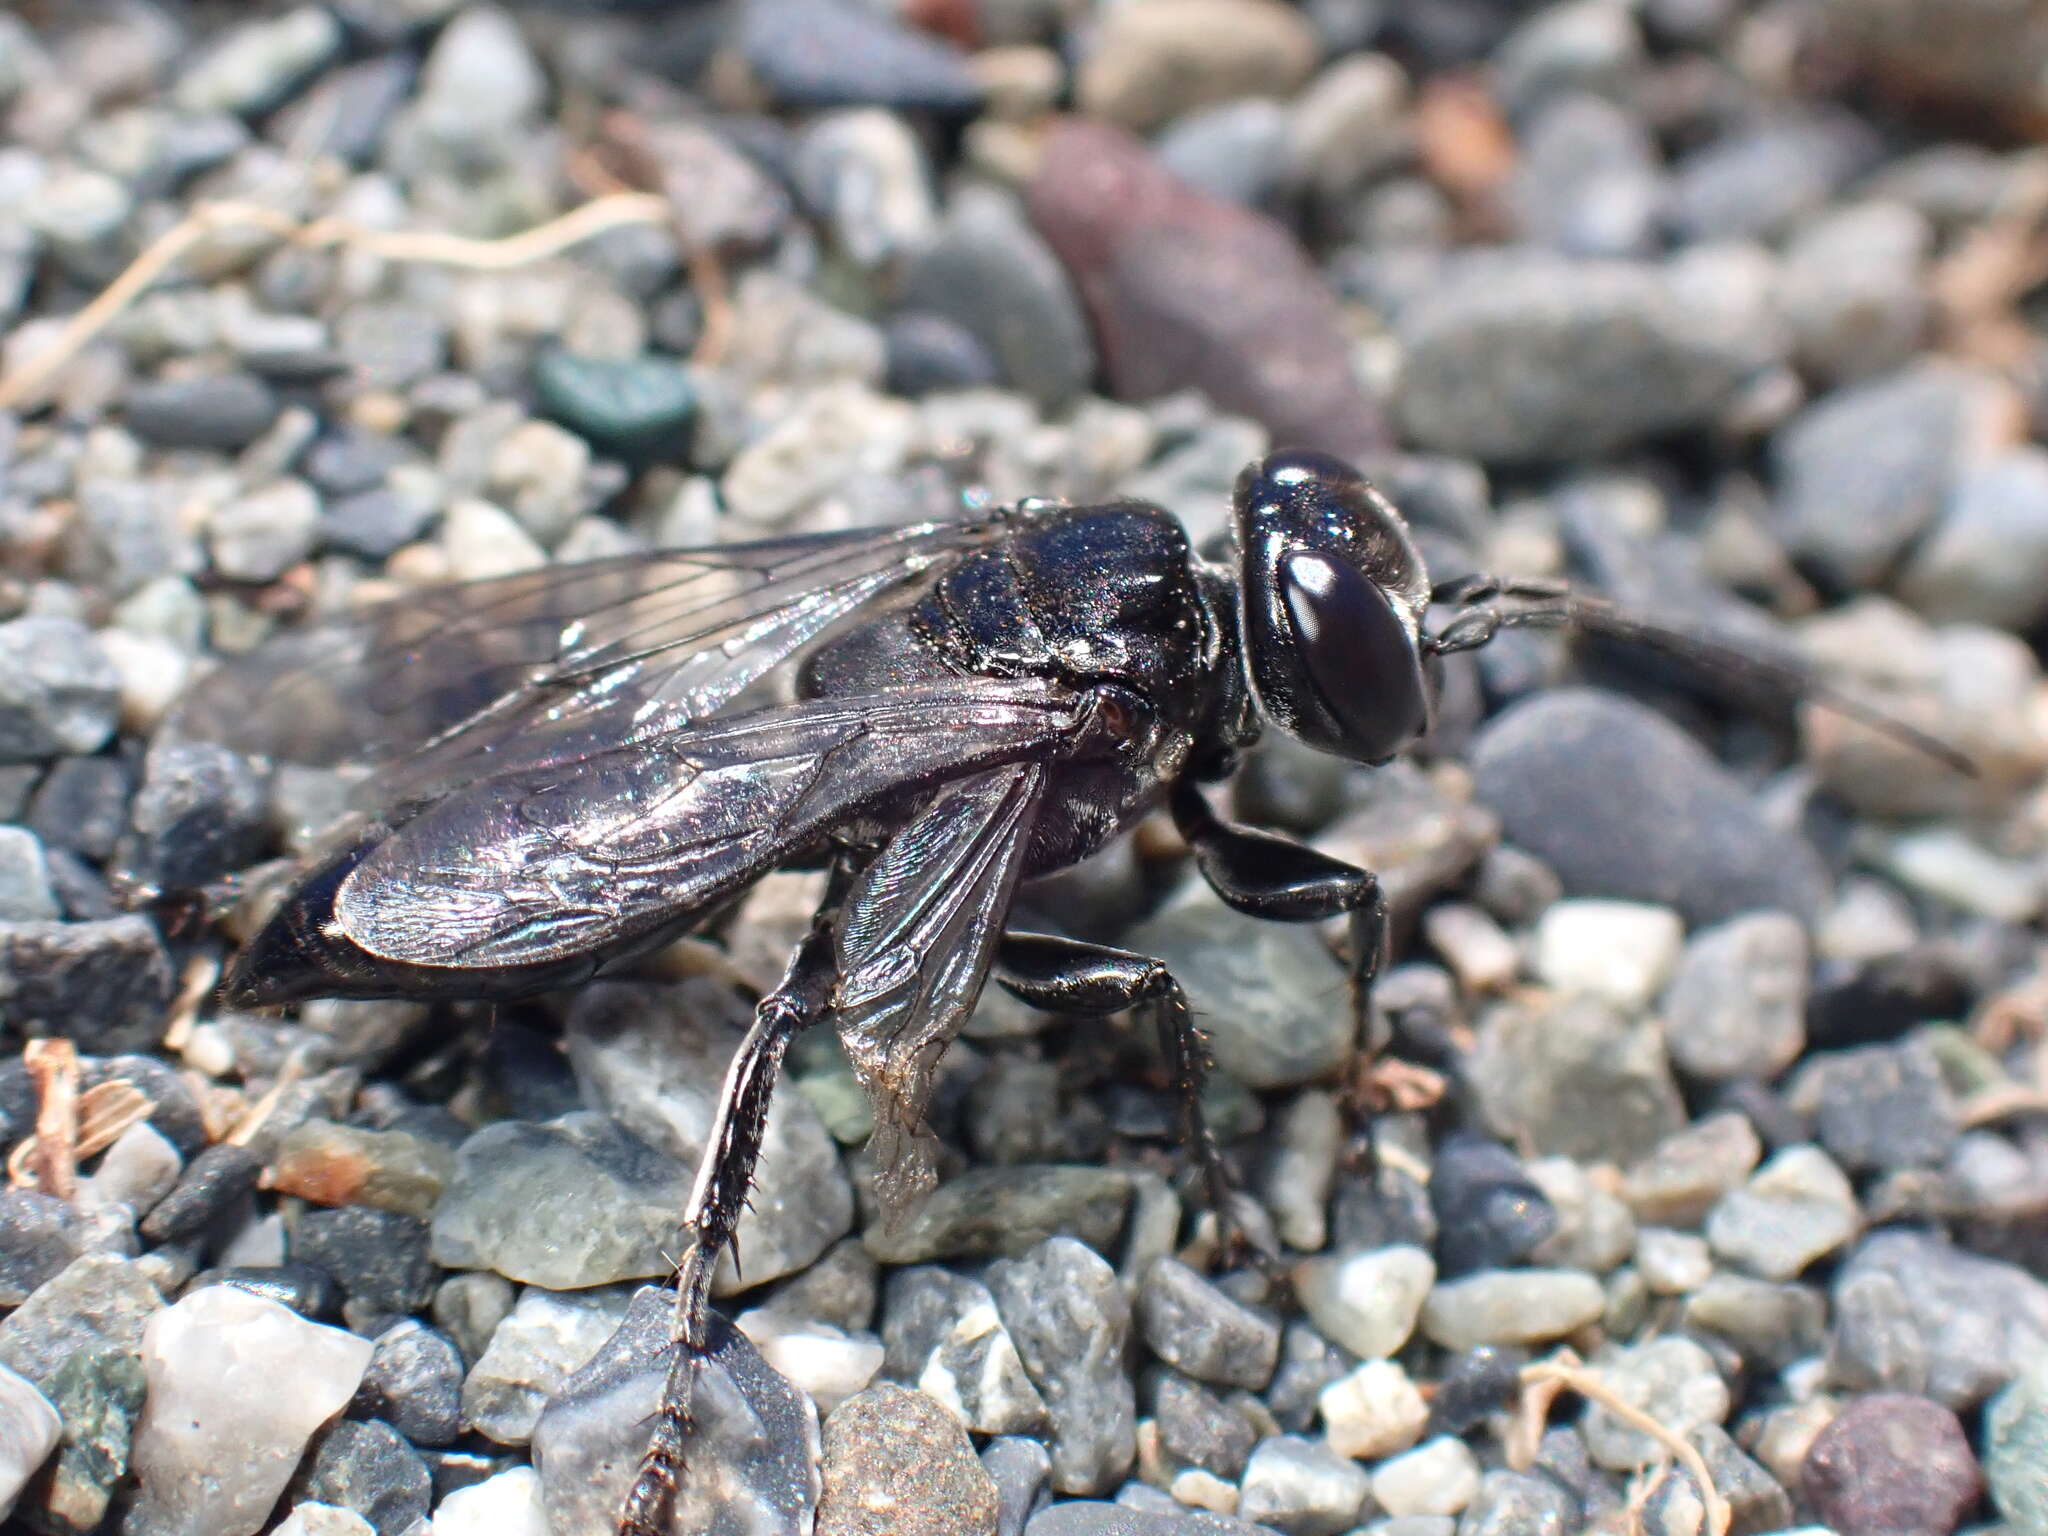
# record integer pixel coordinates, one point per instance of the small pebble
(212, 1182)
(896, 1462)
(1891, 1463)
(1439, 1478)
(414, 1383)
(1796, 1208)
(1687, 1172)
(1367, 1302)
(506, 1503)
(1064, 1308)
(1302, 1488)
(1189, 1323)
(1518, 1504)
(223, 412)
(367, 1467)
(2016, 1451)
(1511, 1306)
(333, 1164)
(1622, 952)
(1373, 1412)
(1737, 1006)
(1489, 1212)
(1673, 1380)
(532, 1351)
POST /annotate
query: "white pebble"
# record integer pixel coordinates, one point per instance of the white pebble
(152, 673)
(1374, 1412)
(1478, 951)
(505, 1505)
(1439, 1478)
(311, 1519)
(1622, 951)
(1511, 1306)
(29, 1428)
(828, 1363)
(485, 540)
(1367, 1302)
(237, 1386)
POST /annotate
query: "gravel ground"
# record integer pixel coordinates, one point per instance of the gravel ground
(1714, 1099)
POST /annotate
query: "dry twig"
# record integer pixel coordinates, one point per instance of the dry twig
(53, 1159)
(208, 219)
(1543, 1381)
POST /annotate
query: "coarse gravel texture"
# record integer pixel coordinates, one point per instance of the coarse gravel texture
(1711, 1050)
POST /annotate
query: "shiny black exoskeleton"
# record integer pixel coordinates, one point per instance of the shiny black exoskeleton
(585, 761)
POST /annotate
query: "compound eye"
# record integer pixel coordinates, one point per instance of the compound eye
(1357, 656)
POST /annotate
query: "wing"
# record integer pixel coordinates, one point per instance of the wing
(545, 864)
(916, 936)
(521, 670)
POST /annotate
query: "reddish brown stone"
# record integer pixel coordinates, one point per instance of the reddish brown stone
(1891, 1464)
(1187, 291)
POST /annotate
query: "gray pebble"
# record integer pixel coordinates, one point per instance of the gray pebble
(1985, 560)
(1200, 1429)
(1864, 472)
(1189, 1323)
(1981, 1319)
(941, 1332)
(1518, 1504)
(368, 1468)
(1518, 357)
(378, 1257)
(1006, 1211)
(1063, 1306)
(39, 1236)
(1619, 802)
(414, 1383)
(1575, 1079)
(1852, 293)
(1737, 1006)
(96, 1300)
(1673, 1380)
(1687, 1172)
(1511, 1306)
(223, 412)
(1875, 1343)
(1879, 1108)
(82, 805)
(1302, 1487)
(199, 815)
(25, 893)
(1587, 181)
(1270, 995)
(1020, 1468)
(1756, 181)
(1796, 1208)
(1234, 150)
(811, 54)
(531, 1352)
(58, 691)
(1083, 1517)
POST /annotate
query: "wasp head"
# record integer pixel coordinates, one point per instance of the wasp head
(1333, 592)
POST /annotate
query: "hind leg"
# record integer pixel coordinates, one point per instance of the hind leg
(724, 1175)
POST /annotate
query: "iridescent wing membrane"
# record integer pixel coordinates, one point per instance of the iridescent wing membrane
(551, 664)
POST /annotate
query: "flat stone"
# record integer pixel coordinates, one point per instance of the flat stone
(638, 408)
(898, 1464)
(1005, 1212)
(815, 53)
(1573, 1078)
(332, 1164)
(753, 1467)
(1160, 59)
(97, 1301)
(39, 1236)
(211, 1455)
(1689, 1171)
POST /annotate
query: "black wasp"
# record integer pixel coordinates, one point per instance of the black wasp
(598, 757)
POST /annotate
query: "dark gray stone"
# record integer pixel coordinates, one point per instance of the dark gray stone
(1189, 1323)
(373, 523)
(1519, 1504)
(1981, 1319)
(1006, 1211)
(82, 805)
(305, 1288)
(103, 984)
(932, 354)
(199, 815)
(1879, 1108)
(379, 1258)
(367, 1467)
(39, 1236)
(222, 411)
(1488, 1212)
(1754, 182)
(414, 1384)
(211, 1184)
(1199, 1428)
(1020, 1468)
(1620, 802)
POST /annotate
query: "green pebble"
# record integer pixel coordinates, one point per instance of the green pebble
(637, 408)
